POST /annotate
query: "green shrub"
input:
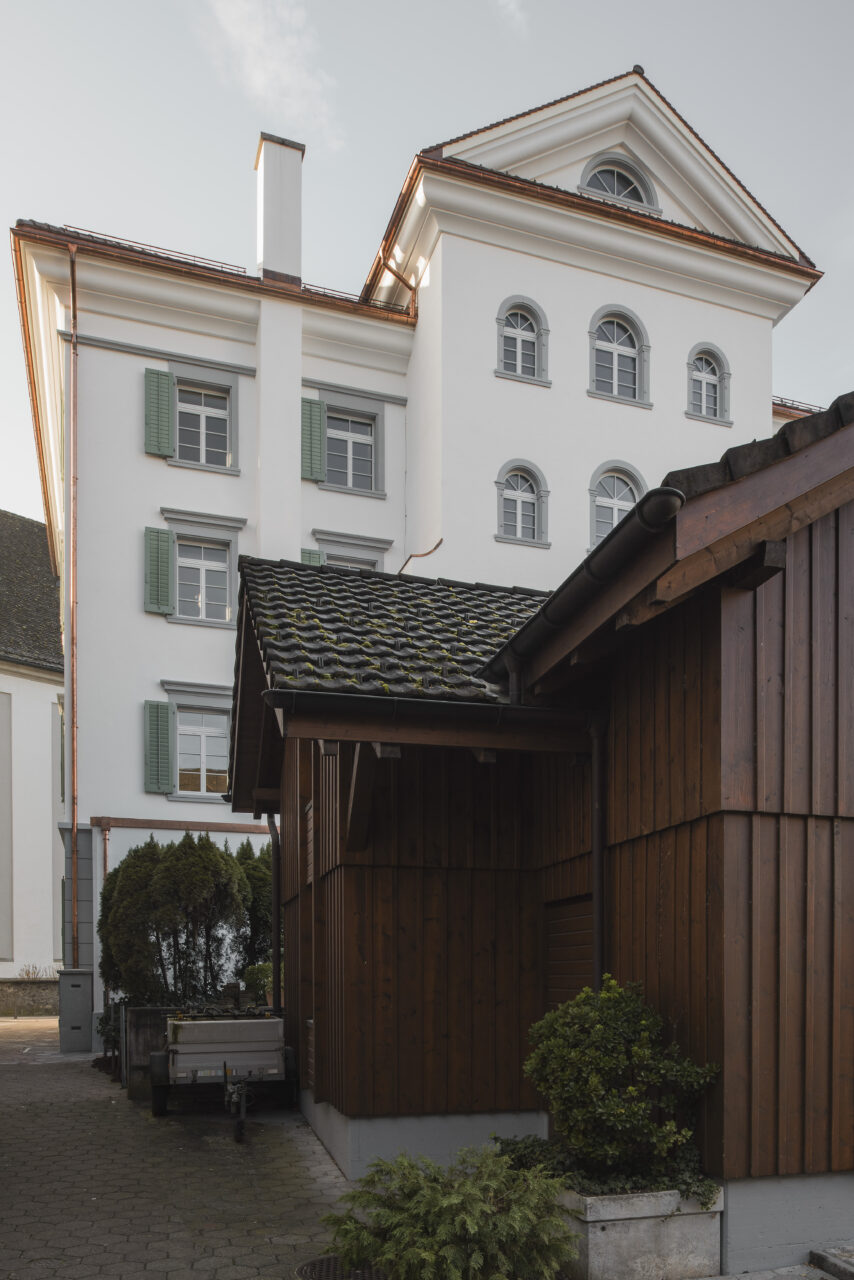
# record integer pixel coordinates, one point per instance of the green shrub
(622, 1101)
(480, 1219)
(259, 980)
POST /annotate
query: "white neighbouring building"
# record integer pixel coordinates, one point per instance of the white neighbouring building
(565, 306)
(31, 781)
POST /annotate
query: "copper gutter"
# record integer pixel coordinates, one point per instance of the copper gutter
(72, 597)
(113, 251)
(34, 404)
(419, 555)
(527, 188)
(148, 824)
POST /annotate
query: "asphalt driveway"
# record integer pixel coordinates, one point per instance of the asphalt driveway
(92, 1185)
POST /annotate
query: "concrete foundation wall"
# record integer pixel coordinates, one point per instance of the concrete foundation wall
(774, 1222)
(354, 1143)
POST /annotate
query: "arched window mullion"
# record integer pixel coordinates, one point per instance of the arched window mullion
(523, 335)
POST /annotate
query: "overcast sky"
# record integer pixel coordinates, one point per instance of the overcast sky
(141, 120)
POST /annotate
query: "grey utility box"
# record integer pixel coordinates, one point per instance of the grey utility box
(75, 1010)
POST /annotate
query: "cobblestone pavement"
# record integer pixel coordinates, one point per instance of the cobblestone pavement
(92, 1185)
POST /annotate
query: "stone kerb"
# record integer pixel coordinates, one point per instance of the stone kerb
(651, 1233)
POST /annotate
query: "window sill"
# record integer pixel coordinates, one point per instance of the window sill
(200, 622)
(356, 493)
(707, 417)
(521, 377)
(635, 205)
(191, 797)
(203, 466)
(603, 395)
(523, 542)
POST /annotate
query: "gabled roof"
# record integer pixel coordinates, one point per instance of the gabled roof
(29, 596)
(328, 630)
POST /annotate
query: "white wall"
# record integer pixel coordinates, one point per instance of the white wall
(31, 859)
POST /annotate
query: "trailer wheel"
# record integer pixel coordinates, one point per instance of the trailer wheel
(159, 1099)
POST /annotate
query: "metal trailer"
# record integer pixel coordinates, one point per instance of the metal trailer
(240, 1053)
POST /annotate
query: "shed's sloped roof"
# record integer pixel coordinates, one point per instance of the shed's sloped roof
(744, 459)
(29, 596)
(326, 630)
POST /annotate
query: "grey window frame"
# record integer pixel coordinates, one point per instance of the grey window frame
(633, 322)
(209, 379)
(631, 168)
(541, 497)
(353, 546)
(614, 466)
(189, 696)
(723, 417)
(343, 403)
(519, 302)
(205, 527)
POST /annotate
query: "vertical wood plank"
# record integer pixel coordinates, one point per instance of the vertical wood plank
(765, 1099)
(661, 730)
(386, 1075)
(507, 1016)
(711, 705)
(530, 978)
(410, 1015)
(770, 657)
(435, 1007)
(681, 1014)
(676, 704)
(736, 995)
(797, 761)
(818, 991)
(713, 1101)
(791, 987)
(486, 886)
(738, 700)
(459, 990)
(694, 729)
(842, 1104)
(645, 731)
(845, 650)
(824, 670)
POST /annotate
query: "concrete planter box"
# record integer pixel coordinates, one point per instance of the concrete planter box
(651, 1235)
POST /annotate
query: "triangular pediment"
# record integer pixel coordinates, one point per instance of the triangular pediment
(626, 120)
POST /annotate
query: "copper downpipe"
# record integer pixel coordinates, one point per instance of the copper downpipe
(72, 593)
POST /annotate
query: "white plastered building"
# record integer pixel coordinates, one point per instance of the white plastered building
(565, 306)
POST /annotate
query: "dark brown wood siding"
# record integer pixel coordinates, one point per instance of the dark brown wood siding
(787, 689)
(569, 949)
(422, 960)
(664, 740)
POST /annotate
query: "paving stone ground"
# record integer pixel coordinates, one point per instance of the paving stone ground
(92, 1185)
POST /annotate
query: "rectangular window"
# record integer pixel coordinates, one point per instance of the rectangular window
(203, 426)
(350, 452)
(203, 581)
(202, 752)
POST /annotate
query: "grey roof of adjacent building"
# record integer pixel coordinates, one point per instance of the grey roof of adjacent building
(29, 596)
(328, 630)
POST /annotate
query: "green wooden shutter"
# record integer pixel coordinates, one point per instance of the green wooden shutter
(312, 557)
(159, 414)
(159, 739)
(159, 571)
(313, 440)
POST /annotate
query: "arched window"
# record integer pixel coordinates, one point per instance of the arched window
(522, 504)
(614, 490)
(614, 177)
(522, 341)
(619, 356)
(708, 384)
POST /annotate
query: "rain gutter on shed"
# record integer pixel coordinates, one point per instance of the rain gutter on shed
(655, 510)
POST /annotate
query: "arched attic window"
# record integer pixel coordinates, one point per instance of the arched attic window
(614, 177)
(708, 384)
(523, 341)
(522, 504)
(615, 487)
(619, 356)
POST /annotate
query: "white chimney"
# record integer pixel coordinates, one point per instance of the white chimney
(279, 168)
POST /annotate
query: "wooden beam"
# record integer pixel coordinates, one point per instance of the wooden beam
(546, 736)
(327, 747)
(361, 797)
(767, 560)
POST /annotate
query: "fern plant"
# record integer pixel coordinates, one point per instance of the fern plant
(479, 1219)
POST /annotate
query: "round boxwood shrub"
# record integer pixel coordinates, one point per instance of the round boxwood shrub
(622, 1100)
(479, 1219)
